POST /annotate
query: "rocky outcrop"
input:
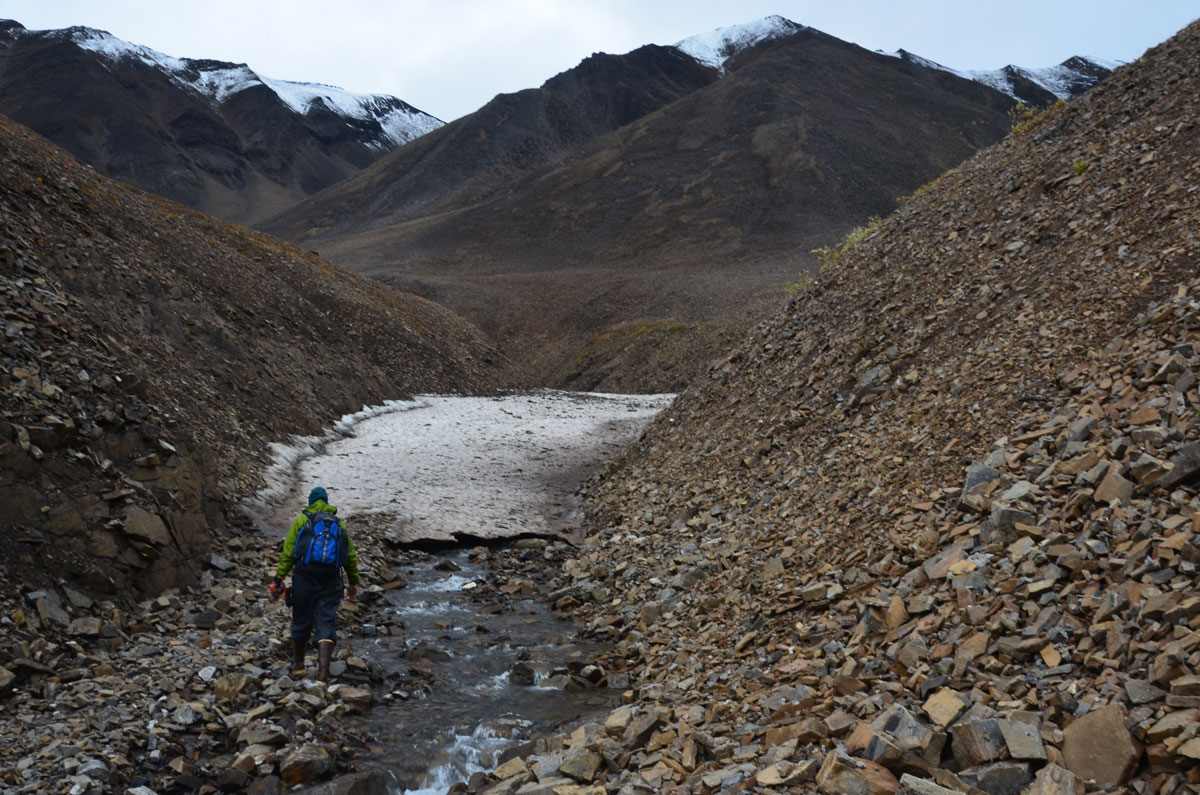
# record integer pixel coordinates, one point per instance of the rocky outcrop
(152, 354)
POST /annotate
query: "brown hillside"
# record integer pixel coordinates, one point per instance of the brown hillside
(691, 217)
(797, 563)
(152, 353)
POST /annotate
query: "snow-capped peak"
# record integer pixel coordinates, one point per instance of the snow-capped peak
(716, 47)
(219, 81)
(1066, 80)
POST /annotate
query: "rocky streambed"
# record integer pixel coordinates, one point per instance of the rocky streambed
(190, 692)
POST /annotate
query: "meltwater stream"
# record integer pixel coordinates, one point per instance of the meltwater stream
(443, 468)
(474, 709)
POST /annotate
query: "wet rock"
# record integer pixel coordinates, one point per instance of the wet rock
(374, 782)
(523, 674)
(304, 765)
(358, 699)
(511, 769)
(581, 765)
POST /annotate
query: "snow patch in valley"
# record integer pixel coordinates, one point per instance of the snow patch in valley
(448, 466)
(716, 47)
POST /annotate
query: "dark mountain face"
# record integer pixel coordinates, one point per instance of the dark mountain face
(690, 218)
(485, 153)
(209, 134)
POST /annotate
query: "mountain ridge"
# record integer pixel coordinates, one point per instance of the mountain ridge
(213, 135)
(1066, 80)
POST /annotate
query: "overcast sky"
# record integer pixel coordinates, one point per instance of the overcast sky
(449, 57)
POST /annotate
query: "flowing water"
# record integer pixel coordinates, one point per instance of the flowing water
(453, 468)
(474, 709)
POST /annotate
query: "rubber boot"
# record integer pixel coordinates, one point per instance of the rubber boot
(298, 668)
(324, 655)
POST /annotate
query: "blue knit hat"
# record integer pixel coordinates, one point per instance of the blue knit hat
(317, 494)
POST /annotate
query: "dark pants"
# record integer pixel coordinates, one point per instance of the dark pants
(315, 601)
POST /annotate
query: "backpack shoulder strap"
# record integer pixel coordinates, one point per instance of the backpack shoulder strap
(302, 534)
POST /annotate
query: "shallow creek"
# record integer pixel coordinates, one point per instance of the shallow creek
(474, 709)
(452, 468)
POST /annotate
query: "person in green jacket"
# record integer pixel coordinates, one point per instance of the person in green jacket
(316, 586)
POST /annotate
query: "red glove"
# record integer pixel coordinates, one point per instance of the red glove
(275, 589)
(352, 593)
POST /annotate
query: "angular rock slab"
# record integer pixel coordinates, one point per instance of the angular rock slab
(1097, 746)
(846, 775)
(1055, 780)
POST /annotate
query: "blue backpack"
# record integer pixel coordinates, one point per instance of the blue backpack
(321, 545)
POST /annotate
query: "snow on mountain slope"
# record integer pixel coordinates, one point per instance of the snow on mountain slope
(716, 47)
(218, 80)
(1066, 80)
(400, 121)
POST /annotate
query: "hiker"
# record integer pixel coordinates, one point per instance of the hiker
(319, 547)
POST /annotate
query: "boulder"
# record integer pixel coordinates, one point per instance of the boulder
(1098, 747)
(846, 775)
(911, 785)
(305, 765)
(146, 526)
(1056, 780)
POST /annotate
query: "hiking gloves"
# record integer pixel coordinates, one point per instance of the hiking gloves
(352, 593)
(275, 589)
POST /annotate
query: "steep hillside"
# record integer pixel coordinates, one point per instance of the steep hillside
(942, 510)
(628, 264)
(152, 353)
(215, 136)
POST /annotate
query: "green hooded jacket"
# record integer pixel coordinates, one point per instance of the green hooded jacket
(287, 559)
